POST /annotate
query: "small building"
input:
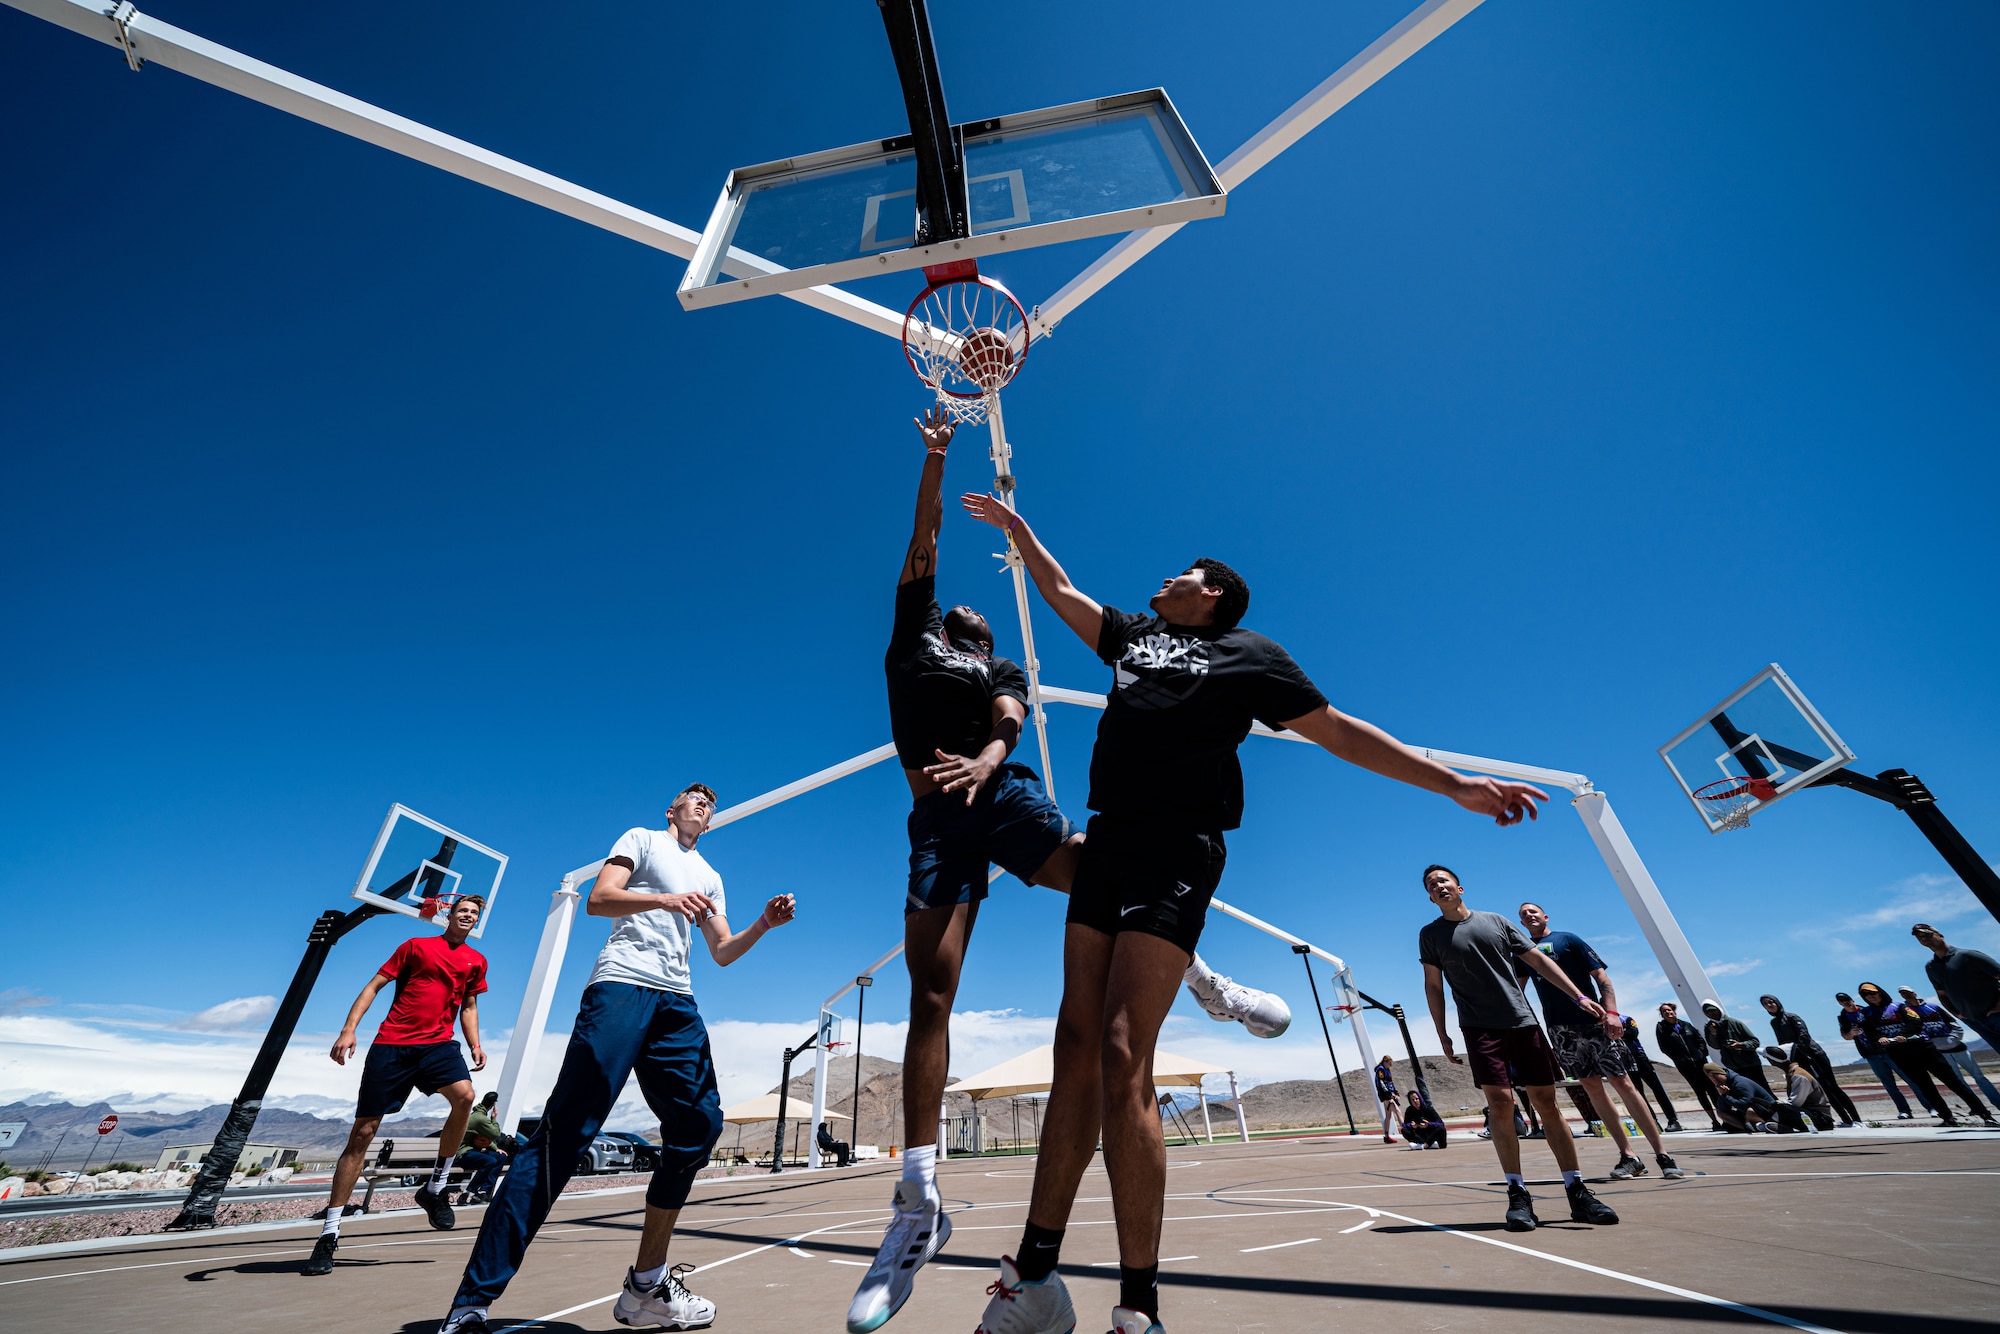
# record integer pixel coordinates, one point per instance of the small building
(266, 1156)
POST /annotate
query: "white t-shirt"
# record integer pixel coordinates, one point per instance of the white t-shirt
(650, 949)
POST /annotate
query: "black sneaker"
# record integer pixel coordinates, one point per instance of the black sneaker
(1669, 1169)
(471, 1324)
(1626, 1167)
(321, 1260)
(1587, 1208)
(437, 1207)
(1520, 1210)
(1674, 1127)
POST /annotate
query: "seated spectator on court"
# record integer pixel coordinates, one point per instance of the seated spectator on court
(842, 1152)
(1908, 1037)
(1804, 1098)
(1422, 1126)
(1967, 983)
(481, 1161)
(1855, 1030)
(1791, 1031)
(1950, 1043)
(1743, 1106)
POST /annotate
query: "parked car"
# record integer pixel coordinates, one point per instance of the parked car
(645, 1153)
(605, 1154)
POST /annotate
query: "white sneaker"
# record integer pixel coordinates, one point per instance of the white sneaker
(1019, 1307)
(1125, 1320)
(919, 1230)
(1264, 1014)
(665, 1305)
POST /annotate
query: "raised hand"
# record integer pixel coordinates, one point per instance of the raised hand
(955, 773)
(1507, 803)
(936, 427)
(987, 509)
(781, 909)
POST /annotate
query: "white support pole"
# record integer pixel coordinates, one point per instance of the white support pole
(819, 1094)
(1235, 1097)
(832, 773)
(1635, 882)
(1350, 996)
(1423, 25)
(526, 1042)
(1002, 455)
(149, 40)
(1207, 1126)
(944, 1130)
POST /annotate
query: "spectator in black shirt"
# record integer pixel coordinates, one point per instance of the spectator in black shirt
(1422, 1126)
(1791, 1030)
(1967, 982)
(1188, 681)
(1682, 1043)
(1643, 1071)
(1734, 1044)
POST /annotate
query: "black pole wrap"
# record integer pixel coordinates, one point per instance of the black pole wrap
(198, 1210)
(943, 213)
(1306, 959)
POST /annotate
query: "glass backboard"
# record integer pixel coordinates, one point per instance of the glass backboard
(417, 863)
(1087, 169)
(1767, 731)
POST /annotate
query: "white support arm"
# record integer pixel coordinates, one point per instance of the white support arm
(869, 971)
(1677, 958)
(148, 39)
(1357, 76)
(803, 786)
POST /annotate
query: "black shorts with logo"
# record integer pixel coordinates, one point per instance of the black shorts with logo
(394, 1068)
(1144, 875)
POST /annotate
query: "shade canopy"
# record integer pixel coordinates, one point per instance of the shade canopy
(1034, 1072)
(765, 1108)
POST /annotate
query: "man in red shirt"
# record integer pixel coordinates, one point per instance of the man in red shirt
(438, 980)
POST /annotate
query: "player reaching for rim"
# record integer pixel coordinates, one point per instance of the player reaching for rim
(956, 710)
(1165, 786)
(438, 980)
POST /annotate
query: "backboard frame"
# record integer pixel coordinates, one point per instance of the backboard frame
(705, 285)
(397, 812)
(1796, 777)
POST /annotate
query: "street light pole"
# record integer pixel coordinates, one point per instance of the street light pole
(1304, 952)
(860, 1009)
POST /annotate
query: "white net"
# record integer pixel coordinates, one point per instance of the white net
(1727, 803)
(966, 339)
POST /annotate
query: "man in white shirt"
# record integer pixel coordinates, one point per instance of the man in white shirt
(638, 1013)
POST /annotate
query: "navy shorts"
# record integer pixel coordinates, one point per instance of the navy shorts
(394, 1068)
(1147, 875)
(1011, 821)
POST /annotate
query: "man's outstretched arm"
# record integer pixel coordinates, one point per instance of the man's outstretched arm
(1364, 744)
(1078, 611)
(920, 561)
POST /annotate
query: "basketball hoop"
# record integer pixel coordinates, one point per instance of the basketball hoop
(1727, 800)
(965, 336)
(431, 907)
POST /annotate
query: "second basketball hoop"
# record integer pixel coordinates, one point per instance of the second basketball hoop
(965, 336)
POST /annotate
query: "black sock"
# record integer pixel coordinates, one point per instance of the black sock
(1139, 1289)
(1039, 1248)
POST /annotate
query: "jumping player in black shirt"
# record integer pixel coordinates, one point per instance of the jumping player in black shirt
(956, 711)
(1164, 787)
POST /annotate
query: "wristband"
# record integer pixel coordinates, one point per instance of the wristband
(1013, 521)
(937, 450)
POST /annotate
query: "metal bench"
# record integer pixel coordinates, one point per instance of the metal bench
(407, 1158)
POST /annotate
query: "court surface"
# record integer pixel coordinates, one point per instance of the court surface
(1851, 1232)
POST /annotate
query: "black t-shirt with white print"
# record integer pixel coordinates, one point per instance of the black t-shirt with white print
(940, 696)
(1182, 700)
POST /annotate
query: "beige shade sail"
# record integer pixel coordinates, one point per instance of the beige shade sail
(765, 1108)
(1033, 1072)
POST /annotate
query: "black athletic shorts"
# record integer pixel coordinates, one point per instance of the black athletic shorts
(1146, 875)
(394, 1068)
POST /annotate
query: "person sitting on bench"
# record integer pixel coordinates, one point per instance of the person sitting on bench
(843, 1154)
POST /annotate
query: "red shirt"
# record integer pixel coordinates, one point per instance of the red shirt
(433, 979)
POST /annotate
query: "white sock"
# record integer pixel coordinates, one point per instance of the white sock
(459, 1315)
(646, 1278)
(333, 1213)
(1572, 1178)
(440, 1174)
(1197, 972)
(1514, 1179)
(920, 1165)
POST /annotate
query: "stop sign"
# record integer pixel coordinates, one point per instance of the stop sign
(108, 1124)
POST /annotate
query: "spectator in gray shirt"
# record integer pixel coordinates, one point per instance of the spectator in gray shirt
(1474, 952)
(1967, 982)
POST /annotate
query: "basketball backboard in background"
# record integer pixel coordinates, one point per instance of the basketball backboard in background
(1115, 164)
(1757, 747)
(419, 868)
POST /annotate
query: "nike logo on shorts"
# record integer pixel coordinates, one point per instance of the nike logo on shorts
(1127, 912)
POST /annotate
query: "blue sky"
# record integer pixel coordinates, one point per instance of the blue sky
(1592, 360)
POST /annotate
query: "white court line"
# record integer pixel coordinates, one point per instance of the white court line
(1688, 1293)
(699, 1269)
(1279, 1246)
(858, 1264)
(229, 1259)
(1358, 1227)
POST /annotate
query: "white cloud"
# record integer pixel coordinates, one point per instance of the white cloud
(1736, 969)
(232, 1016)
